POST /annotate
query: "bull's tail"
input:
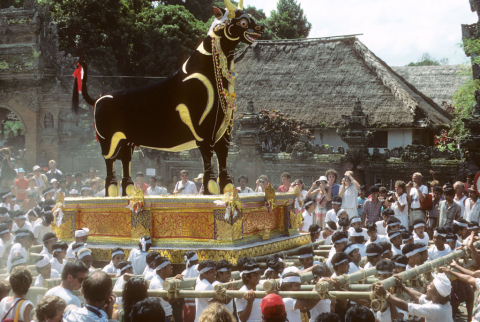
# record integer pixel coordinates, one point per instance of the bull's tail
(80, 86)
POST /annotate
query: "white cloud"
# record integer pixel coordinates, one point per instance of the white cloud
(396, 31)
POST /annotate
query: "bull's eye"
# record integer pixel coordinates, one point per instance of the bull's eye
(243, 23)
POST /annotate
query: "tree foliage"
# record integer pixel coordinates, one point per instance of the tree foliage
(427, 60)
(201, 9)
(288, 21)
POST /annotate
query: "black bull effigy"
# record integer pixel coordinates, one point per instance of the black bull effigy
(192, 108)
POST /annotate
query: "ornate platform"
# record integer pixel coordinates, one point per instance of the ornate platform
(177, 224)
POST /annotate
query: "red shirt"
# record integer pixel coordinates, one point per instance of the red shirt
(144, 187)
(21, 184)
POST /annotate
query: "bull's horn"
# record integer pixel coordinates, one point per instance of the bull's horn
(240, 4)
(229, 6)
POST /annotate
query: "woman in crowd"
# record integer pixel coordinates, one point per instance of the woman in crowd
(20, 280)
(50, 309)
(134, 290)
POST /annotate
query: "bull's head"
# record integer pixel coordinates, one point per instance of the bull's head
(235, 24)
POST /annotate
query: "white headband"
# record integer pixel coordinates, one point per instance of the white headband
(82, 232)
(19, 261)
(340, 262)
(450, 240)
(73, 192)
(372, 254)
(4, 232)
(419, 225)
(387, 251)
(85, 188)
(224, 269)
(3, 215)
(280, 260)
(461, 224)
(336, 203)
(354, 220)
(473, 227)
(22, 234)
(57, 249)
(269, 270)
(162, 265)
(124, 268)
(53, 238)
(422, 249)
(384, 272)
(413, 252)
(341, 240)
(251, 271)
(21, 217)
(356, 234)
(394, 235)
(435, 234)
(306, 255)
(318, 230)
(291, 279)
(328, 226)
(351, 248)
(43, 262)
(206, 269)
(191, 259)
(117, 252)
(308, 203)
(400, 264)
(82, 255)
(393, 224)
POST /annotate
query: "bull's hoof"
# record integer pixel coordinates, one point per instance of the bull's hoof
(212, 187)
(127, 187)
(224, 179)
(111, 189)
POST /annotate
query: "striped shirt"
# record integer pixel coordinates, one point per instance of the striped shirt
(371, 210)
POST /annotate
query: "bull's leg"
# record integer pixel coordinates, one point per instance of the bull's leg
(210, 186)
(111, 188)
(221, 150)
(126, 158)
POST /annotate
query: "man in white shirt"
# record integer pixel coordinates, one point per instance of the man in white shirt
(243, 180)
(43, 227)
(419, 235)
(118, 255)
(416, 193)
(354, 257)
(433, 306)
(184, 186)
(472, 206)
(72, 277)
(155, 190)
(291, 282)
(439, 249)
(21, 221)
(224, 275)
(349, 194)
(96, 286)
(138, 257)
(207, 276)
(163, 269)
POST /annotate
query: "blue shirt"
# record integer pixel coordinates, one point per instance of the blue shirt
(334, 192)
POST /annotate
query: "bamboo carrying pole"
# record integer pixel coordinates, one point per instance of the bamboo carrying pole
(285, 253)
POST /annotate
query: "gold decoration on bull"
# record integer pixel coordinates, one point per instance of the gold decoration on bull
(269, 197)
(220, 66)
(136, 200)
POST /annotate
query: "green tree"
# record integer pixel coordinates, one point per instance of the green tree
(201, 9)
(427, 60)
(288, 21)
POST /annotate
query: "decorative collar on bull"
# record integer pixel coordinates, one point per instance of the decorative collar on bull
(196, 106)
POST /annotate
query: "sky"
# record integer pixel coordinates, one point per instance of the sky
(397, 31)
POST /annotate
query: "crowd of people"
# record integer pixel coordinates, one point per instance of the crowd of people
(390, 230)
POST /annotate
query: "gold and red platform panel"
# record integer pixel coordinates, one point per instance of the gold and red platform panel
(180, 223)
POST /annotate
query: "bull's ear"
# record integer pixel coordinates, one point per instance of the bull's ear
(218, 12)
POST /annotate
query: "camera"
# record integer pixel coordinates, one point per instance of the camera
(345, 177)
(411, 184)
(390, 193)
(261, 181)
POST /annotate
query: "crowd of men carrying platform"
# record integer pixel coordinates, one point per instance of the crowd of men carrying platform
(374, 227)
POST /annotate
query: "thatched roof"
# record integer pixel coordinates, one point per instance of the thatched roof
(318, 80)
(437, 82)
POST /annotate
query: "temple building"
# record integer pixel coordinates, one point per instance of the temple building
(317, 81)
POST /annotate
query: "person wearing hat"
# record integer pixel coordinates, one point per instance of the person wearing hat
(354, 257)
(85, 255)
(118, 255)
(21, 221)
(472, 206)
(41, 180)
(320, 192)
(199, 183)
(419, 235)
(433, 306)
(73, 193)
(23, 241)
(273, 308)
(184, 186)
(45, 271)
(81, 236)
(21, 185)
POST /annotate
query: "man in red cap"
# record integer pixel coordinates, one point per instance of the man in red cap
(273, 308)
